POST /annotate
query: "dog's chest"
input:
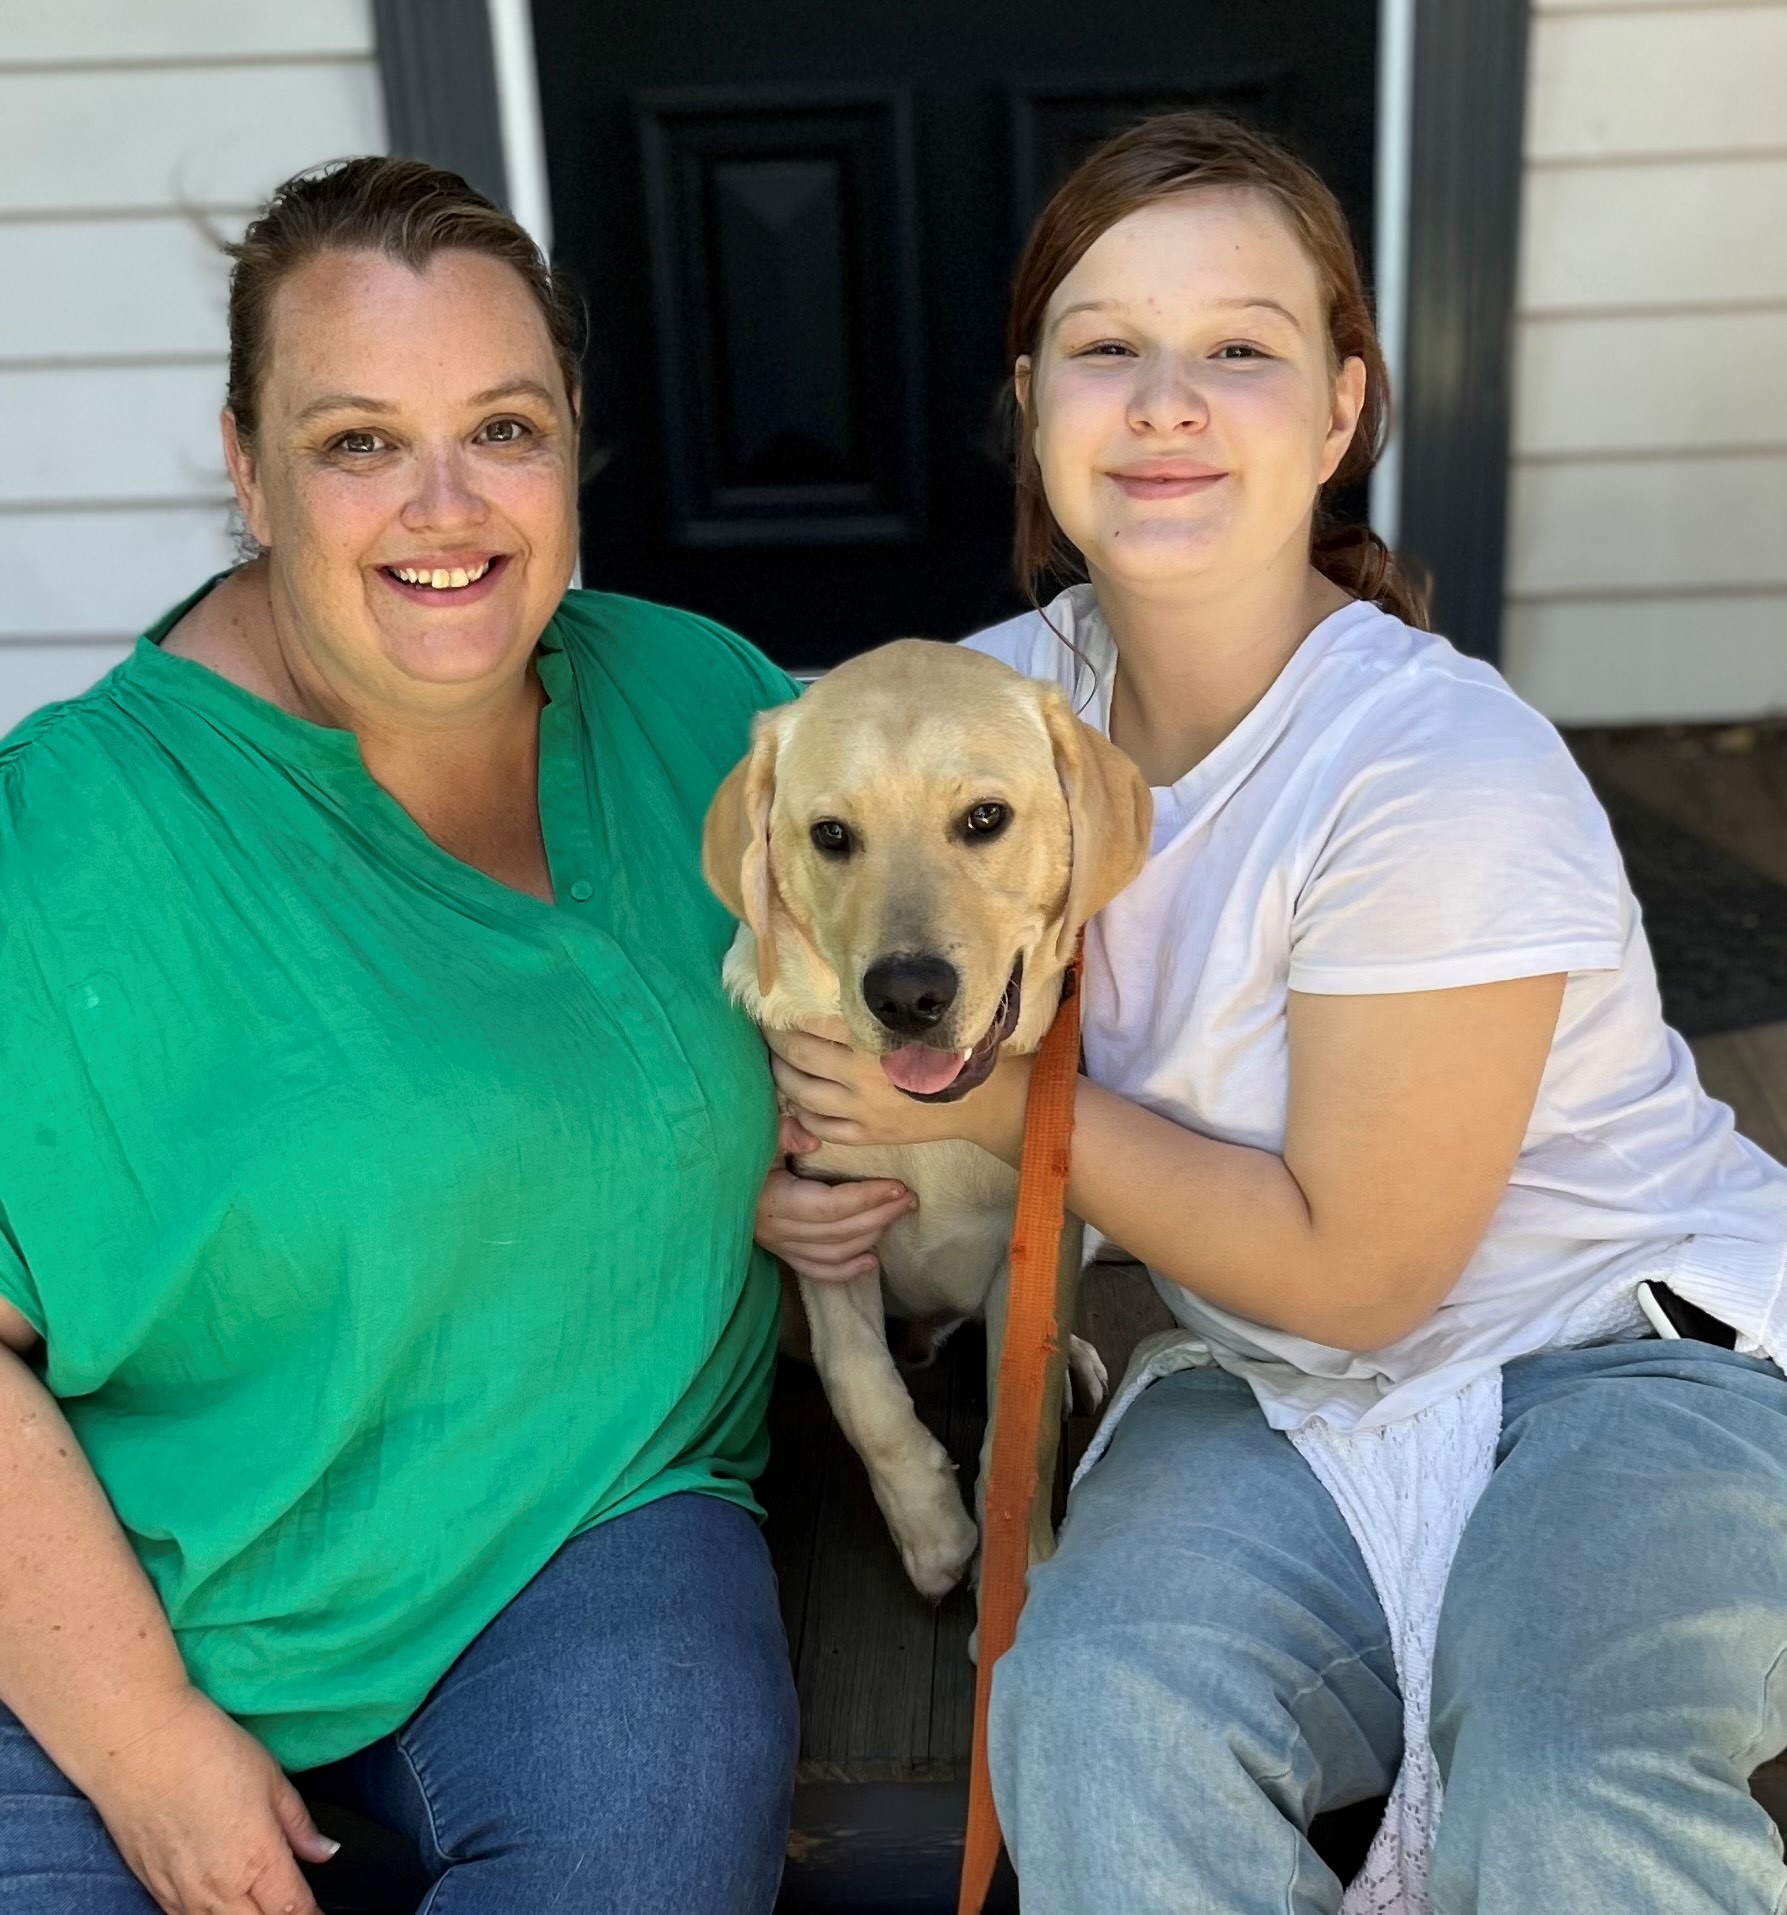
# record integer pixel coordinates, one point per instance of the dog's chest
(944, 1255)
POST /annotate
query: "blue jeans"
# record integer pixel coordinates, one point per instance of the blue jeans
(621, 1738)
(1203, 1666)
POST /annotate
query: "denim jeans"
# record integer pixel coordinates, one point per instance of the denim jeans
(621, 1740)
(1203, 1666)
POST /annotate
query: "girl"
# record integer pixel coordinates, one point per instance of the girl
(1378, 1087)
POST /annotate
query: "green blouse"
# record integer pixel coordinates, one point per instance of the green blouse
(385, 1227)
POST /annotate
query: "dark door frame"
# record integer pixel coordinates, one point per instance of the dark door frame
(1468, 116)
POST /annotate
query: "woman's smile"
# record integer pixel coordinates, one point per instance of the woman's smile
(446, 581)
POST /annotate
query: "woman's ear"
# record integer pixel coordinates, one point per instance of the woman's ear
(1110, 814)
(735, 844)
(244, 474)
(1343, 416)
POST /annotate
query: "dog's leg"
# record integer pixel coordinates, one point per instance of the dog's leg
(1088, 1380)
(910, 1471)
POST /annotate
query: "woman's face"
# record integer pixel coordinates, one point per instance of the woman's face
(1185, 411)
(414, 473)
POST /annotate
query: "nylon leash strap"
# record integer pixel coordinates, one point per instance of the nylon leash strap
(1032, 1337)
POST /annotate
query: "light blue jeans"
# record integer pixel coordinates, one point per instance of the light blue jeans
(1203, 1667)
(619, 1741)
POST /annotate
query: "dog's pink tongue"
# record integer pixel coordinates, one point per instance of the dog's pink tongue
(919, 1068)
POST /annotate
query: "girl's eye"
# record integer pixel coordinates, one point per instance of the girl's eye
(1238, 349)
(359, 444)
(507, 432)
(1105, 348)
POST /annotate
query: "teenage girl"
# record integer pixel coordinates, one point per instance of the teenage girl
(1378, 1087)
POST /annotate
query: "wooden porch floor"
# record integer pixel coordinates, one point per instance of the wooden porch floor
(885, 1684)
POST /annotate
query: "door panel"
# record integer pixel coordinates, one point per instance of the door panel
(782, 231)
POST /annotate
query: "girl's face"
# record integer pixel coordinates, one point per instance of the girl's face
(1185, 410)
(414, 473)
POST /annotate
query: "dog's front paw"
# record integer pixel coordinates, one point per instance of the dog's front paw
(1087, 1378)
(936, 1554)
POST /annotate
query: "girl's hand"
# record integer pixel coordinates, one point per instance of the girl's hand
(843, 1096)
(825, 1231)
(207, 1820)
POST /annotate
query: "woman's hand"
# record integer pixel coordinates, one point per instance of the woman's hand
(827, 1231)
(843, 1096)
(207, 1820)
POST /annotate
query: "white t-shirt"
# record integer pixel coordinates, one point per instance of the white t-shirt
(1391, 817)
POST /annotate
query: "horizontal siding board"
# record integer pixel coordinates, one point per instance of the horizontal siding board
(1651, 382)
(1647, 83)
(1689, 233)
(93, 433)
(177, 136)
(96, 574)
(82, 31)
(1650, 660)
(1611, 525)
(34, 674)
(106, 288)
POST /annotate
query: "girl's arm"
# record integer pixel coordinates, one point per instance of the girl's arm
(1406, 1114)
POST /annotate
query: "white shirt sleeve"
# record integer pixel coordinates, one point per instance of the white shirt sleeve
(1458, 845)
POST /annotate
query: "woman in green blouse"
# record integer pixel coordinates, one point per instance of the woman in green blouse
(383, 1355)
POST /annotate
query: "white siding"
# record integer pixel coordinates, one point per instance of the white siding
(197, 136)
(1647, 568)
(131, 137)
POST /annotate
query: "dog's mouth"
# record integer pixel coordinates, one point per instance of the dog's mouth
(939, 1077)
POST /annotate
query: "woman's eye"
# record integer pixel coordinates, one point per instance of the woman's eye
(507, 432)
(1105, 349)
(1238, 349)
(987, 820)
(359, 444)
(832, 838)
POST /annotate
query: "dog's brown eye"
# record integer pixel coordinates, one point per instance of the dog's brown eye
(987, 821)
(832, 838)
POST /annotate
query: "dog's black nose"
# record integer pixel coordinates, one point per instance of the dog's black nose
(909, 994)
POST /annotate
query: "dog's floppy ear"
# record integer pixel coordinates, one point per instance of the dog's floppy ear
(1110, 812)
(735, 844)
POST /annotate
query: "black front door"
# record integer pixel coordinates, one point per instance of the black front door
(795, 223)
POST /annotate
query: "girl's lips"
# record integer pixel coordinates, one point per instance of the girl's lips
(1140, 486)
(452, 595)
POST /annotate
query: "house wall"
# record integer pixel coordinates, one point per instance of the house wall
(126, 130)
(1647, 576)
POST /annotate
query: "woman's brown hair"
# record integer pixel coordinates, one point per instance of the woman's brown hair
(1176, 153)
(405, 209)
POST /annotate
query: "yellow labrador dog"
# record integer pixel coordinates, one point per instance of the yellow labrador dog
(914, 847)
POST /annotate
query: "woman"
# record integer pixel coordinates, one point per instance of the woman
(1378, 1086)
(385, 1356)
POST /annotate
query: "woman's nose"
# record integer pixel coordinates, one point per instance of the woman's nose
(445, 493)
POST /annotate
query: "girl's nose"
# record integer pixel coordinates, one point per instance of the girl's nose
(1167, 403)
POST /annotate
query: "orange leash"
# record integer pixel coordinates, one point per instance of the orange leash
(1032, 1337)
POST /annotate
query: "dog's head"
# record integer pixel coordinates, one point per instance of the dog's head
(916, 844)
